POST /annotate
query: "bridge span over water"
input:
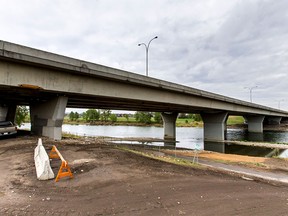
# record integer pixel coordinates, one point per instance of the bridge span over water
(48, 83)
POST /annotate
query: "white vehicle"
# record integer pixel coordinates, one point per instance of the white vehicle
(7, 128)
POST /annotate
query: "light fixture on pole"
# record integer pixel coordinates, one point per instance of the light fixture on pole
(250, 89)
(147, 49)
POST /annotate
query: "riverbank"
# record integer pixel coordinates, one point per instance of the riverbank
(232, 124)
(112, 180)
(134, 123)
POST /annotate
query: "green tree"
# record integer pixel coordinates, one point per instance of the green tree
(74, 116)
(91, 115)
(113, 117)
(143, 117)
(197, 117)
(104, 115)
(21, 114)
(126, 116)
(158, 118)
(71, 116)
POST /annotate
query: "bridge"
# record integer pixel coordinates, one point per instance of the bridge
(48, 83)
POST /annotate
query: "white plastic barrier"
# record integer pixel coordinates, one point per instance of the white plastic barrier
(42, 162)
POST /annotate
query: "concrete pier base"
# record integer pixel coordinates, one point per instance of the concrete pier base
(214, 126)
(47, 118)
(255, 123)
(169, 120)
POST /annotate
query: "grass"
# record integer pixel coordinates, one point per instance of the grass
(232, 120)
(168, 159)
(70, 136)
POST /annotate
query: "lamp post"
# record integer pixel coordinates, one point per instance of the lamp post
(250, 89)
(147, 49)
(279, 101)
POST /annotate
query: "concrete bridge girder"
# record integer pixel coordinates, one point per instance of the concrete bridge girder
(47, 118)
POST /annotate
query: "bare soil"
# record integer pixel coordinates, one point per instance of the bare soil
(271, 164)
(111, 181)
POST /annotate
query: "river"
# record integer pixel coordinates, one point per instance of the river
(187, 137)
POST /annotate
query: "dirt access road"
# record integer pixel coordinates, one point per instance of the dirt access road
(111, 181)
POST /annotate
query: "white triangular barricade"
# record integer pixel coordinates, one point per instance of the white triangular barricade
(42, 162)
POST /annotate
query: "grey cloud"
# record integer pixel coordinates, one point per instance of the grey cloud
(220, 46)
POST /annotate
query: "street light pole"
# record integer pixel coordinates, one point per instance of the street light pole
(147, 49)
(279, 101)
(250, 89)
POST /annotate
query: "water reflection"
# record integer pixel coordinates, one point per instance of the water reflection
(231, 148)
(266, 136)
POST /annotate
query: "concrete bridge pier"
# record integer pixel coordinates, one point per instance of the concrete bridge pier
(272, 120)
(8, 113)
(11, 114)
(47, 118)
(169, 120)
(3, 113)
(284, 120)
(255, 123)
(214, 126)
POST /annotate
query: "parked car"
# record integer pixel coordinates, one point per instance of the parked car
(7, 128)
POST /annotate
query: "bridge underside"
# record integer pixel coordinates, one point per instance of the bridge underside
(27, 96)
(214, 120)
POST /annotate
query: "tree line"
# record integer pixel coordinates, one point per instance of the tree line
(94, 115)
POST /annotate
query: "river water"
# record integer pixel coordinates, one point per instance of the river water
(187, 137)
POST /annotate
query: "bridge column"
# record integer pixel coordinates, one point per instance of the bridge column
(47, 118)
(7, 113)
(255, 123)
(3, 113)
(272, 120)
(284, 120)
(214, 126)
(11, 114)
(169, 120)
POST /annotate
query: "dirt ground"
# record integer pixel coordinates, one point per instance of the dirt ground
(263, 163)
(111, 181)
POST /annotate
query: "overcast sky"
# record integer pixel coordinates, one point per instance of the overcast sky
(220, 46)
